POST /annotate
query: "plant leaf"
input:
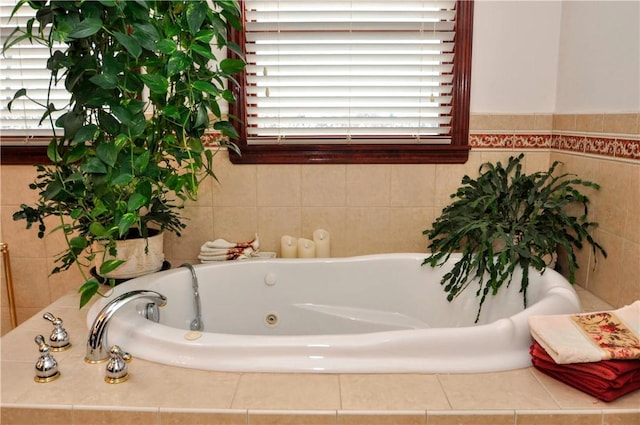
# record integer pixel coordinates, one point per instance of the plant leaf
(136, 201)
(94, 166)
(203, 51)
(126, 222)
(232, 66)
(105, 81)
(206, 87)
(96, 228)
(87, 291)
(226, 128)
(107, 153)
(196, 13)
(167, 46)
(156, 83)
(18, 94)
(130, 43)
(86, 28)
(87, 132)
(52, 152)
(110, 265)
(178, 62)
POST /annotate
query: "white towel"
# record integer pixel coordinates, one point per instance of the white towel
(223, 250)
(590, 337)
(224, 244)
(226, 255)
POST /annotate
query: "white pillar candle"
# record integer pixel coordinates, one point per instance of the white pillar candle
(323, 243)
(288, 247)
(306, 248)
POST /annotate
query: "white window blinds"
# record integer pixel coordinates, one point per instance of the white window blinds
(362, 71)
(24, 66)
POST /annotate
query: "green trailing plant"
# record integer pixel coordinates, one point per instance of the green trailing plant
(504, 220)
(145, 83)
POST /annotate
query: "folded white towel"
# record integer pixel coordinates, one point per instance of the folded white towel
(223, 250)
(224, 257)
(589, 337)
(224, 244)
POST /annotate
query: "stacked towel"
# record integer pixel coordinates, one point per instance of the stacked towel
(223, 250)
(590, 337)
(597, 353)
(606, 380)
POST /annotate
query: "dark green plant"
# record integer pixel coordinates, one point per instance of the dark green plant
(506, 219)
(145, 85)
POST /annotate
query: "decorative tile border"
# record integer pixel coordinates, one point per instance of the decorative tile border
(595, 145)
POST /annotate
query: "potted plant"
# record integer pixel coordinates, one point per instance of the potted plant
(506, 219)
(145, 85)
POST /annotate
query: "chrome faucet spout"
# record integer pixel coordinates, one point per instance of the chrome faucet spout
(196, 324)
(97, 340)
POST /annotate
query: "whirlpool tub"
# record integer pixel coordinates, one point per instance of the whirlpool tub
(367, 314)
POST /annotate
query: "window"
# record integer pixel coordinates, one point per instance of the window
(23, 137)
(363, 81)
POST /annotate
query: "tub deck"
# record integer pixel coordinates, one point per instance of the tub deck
(170, 395)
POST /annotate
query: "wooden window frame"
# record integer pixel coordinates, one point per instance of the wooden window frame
(455, 153)
(379, 153)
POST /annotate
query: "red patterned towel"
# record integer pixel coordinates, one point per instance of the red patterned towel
(590, 337)
(606, 380)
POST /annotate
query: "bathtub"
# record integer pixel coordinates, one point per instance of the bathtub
(368, 314)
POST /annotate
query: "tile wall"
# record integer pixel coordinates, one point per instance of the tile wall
(372, 208)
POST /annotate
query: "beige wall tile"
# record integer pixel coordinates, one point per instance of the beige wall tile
(632, 202)
(392, 392)
(287, 391)
(629, 287)
(564, 122)
(501, 122)
(590, 123)
(333, 220)
(235, 224)
(406, 226)
(323, 185)
(413, 185)
(367, 231)
(64, 282)
(199, 222)
(621, 123)
(516, 389)
(14, 184)
(368, 185)
(536, 161)
(605, 277)
(22, 242)
(275, 222)
(528, 418)
(449, 177)
(16, 416)
(107, 417)
(31, 286)
(479, 123)
(278, 186)
(471, 418)
(237, 184)
(381, 418)
(543, 122)
(611, 202)
(623, 418)
(168, 417)
(258, 417)
(204, 196)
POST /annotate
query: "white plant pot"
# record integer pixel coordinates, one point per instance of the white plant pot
(139, 260)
